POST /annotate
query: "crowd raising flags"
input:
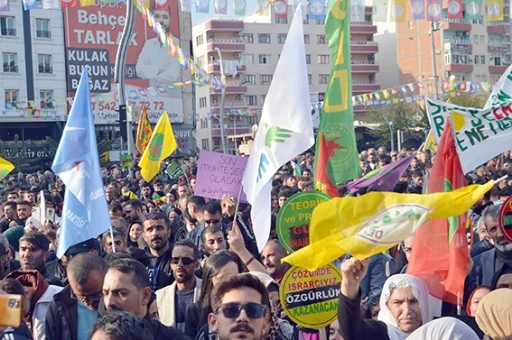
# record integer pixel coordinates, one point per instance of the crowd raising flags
(5, 168)
(85, 213)
(285, 129)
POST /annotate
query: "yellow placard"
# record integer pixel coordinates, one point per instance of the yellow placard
(310, 299)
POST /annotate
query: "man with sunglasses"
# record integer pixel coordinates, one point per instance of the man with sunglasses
(172, 301)
(73, 311)
(240, 304)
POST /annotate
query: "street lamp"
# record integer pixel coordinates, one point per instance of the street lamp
(222, 100)
(390, 126)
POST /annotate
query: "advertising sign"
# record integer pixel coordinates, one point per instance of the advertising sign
(293, 218)
(92, 37)
(310, 299)
(505, 219)
(219, 174)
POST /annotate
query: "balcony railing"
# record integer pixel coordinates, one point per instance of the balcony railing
(226, 41)
(43, 34)
(8, 31)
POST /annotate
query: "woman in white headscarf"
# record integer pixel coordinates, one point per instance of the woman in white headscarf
(403, 305)
(446, 328)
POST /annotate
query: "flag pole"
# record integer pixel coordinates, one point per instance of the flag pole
(186, 176)
(238, 202)
(112, 239)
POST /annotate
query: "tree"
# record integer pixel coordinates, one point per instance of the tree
(401, 116)
(469, 100)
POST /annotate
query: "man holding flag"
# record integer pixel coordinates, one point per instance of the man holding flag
(285, 129)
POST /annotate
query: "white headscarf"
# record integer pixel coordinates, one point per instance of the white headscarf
(420, 292)
(446, 328)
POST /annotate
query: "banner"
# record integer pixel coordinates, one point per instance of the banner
(202, 6)
(220, 6)
(240, 7)
(455, 9)
(281, 9)
(418, 9)
(186, 5)
(495, 10)
(317, 10)
(51, 4)
(337, 119)
(29, 4)
(434, 10)
(380, 10)
(4, 6)
(357, 11)
(473, 9)
(481, 135)
(219, 174)
(398, 10)
(502, 92)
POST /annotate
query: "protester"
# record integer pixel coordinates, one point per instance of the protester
(118, 243)
(446, 328)
(494, 315)
(271, 256)
(11, 286)
(120, 325)
(474, 299)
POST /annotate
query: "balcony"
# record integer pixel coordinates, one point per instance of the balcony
(366, 27)
(364, 86)
(215, 68)
(498, 28)
(232, 87)
(43, 34)
(497, 69)
(364, 67)
(232, 131)
(234, 26)
(458, 67)
(8, 32)
(364, 47)
(497, 48)
(226, 45)
(457, 24)
(458, 45)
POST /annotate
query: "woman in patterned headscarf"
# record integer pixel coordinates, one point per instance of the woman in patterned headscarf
(494, 314)
(403, 305)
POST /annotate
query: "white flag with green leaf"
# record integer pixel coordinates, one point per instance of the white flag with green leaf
(285, 129)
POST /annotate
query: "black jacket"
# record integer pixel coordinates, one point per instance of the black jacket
(159, 270)
(61, 319)
(160, 331)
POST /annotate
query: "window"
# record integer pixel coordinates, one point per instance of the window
(281, 38)
(200, 60)
(199, 40)
(247, 59)
(281, 20)
(202, 102)
(306, 38)
(43, 28)
(320, 22)
(264, 59)
(214, 100)
(45, 63)
(308, 59)
(482, 59)
(11, 97)
(205, 144)
(264, 38)
(305, 20)
(324, 59)
(265, 79)
(7, 26)
(10, 62)
(210, 36)
(251, 100)
(475, 39)
(250, 79)
(309, 79)
(320, 39)
(477, 59)
(46, 97)
(204, 123)
(323, 78)
(247, 38)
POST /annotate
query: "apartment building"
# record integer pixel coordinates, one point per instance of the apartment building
(250, 51)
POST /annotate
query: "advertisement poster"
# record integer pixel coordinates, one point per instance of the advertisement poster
(91, 38)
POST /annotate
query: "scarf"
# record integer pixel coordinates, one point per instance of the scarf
(494, 315)
(33, 280)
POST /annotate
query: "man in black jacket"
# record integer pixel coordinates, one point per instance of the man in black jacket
(74, 309)
(127, 288)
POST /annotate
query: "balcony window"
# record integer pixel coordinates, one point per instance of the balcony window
(247, 38)
(46, 97)
(7, 26)
(45, 63)
(324, 59)
(265, 79)
(308, 59)
(320, 39)
(281, 38)
(250, 79)
(10, 61)
(306, 38)
(251, 100)
(323, 78)
(43, 28)
(264, 38)
(264, 58)
(11, 98)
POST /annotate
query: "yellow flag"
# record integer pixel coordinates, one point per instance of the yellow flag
(494, 10)
(430, 142)
(367, 225)
(161, 145)
(398, 9)
(84, 3)
(5, 168)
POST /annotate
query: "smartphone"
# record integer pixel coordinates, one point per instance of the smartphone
(12, 310)
(50, 214)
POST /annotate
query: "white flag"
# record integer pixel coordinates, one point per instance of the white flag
(285, 129)
(186, 6)
(51, 4)
(502, 92)
(357, 9)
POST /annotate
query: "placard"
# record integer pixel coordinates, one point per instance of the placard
(219, 174)
(310, 299)
(505, 219)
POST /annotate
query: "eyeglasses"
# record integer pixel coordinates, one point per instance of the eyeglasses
(92, 298)
(185, 260)
(252, 309)
(211, 221)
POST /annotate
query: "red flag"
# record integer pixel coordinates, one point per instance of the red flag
(281, 9)
(455, 9)
(323, 180)
(67, 3)
(440, 251)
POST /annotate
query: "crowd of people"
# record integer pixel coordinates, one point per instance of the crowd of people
(176, 265)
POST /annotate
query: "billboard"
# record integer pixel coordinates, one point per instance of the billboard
(92, 37)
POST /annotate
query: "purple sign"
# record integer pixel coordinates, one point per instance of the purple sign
(219, 174)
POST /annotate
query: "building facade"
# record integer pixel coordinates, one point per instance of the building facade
(250, 51)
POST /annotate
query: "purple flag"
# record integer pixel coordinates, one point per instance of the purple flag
(4, 6)
(384, 180)
(418, 9)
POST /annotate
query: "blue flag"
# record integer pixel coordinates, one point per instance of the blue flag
(85, 214)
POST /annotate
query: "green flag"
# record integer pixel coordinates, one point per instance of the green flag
(337, 117)
(174, 170)
(473, 9)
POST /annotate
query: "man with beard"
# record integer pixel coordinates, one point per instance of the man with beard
(213, 240)
(126, 288)
(172, 301)
(133, 211)
(271, 256)
(239, 307)
(492, 261)
(156, 232)
(34, 253)
(145, 192)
